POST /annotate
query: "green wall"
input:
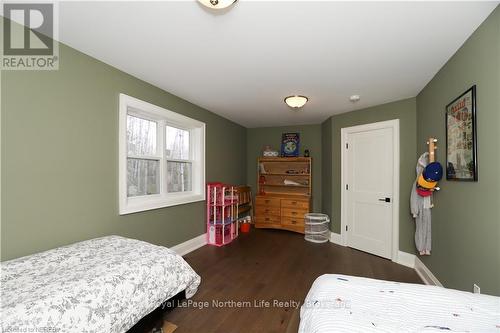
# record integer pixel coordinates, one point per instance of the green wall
(327, 172)
(310, 138)
(405, 111)
(466, 216)
(60, 158)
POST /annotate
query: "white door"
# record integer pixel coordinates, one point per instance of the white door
(369, 176)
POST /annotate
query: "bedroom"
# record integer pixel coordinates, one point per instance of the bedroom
(221, 76)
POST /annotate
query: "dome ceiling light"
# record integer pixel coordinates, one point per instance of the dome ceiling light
(296, 101)
(217, 4)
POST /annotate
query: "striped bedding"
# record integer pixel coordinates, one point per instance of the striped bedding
(341, 303)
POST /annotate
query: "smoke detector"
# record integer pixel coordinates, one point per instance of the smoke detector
(354, 98)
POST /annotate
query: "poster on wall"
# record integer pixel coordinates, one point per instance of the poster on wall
(290, 144)
(461, 145)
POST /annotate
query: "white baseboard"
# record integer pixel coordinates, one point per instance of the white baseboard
(335, 238)
(412, 261)
(406, 259)
(425, 273)
(190, 245)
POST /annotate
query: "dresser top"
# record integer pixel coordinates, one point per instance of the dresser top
(284, 196)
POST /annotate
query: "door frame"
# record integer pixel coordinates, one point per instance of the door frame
(394, 125)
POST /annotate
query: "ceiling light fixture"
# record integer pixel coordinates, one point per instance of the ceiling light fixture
(296, 101)
(217, 4)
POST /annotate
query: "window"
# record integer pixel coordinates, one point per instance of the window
(162, 157)
(179, 164)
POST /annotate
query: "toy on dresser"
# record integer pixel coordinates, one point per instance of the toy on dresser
(269, 152)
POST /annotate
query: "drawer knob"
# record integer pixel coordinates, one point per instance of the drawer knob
(267, 201)
(294, 213)
(294, 202)
(294, 222)
(267, 218)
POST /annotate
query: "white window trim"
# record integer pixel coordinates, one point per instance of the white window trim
(197, 134)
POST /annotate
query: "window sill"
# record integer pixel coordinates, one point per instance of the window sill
(136, 205)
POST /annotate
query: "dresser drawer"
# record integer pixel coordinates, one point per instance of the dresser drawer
(274, 202)
(290, 203)
(267, 210)
(294, 212)
(268, 219)
(298, 221)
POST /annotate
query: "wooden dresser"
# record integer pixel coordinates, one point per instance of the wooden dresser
(286, 183)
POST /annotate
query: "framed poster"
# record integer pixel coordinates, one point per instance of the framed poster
(290, 143)
(461, 143)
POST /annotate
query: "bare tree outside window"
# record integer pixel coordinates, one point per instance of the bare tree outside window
(178, 160)
(143, 166)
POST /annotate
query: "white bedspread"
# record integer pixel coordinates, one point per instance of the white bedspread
(100, 285)
(341, 303)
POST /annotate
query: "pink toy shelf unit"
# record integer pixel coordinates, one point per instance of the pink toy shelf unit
(222, 214)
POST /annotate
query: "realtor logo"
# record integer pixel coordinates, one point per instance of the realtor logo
(29, 31)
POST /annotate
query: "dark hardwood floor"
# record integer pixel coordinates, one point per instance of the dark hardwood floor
(269, 265)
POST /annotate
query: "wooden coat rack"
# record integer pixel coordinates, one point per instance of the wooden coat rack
(432, 143)
(432, 149)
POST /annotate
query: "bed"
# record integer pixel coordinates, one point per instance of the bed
(101, 285)
(341, 303)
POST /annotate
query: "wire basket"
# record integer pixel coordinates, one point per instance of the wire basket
(317, 228)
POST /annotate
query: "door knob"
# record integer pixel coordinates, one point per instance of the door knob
(385, 199)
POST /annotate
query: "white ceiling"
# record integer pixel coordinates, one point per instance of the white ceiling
(241, 63)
